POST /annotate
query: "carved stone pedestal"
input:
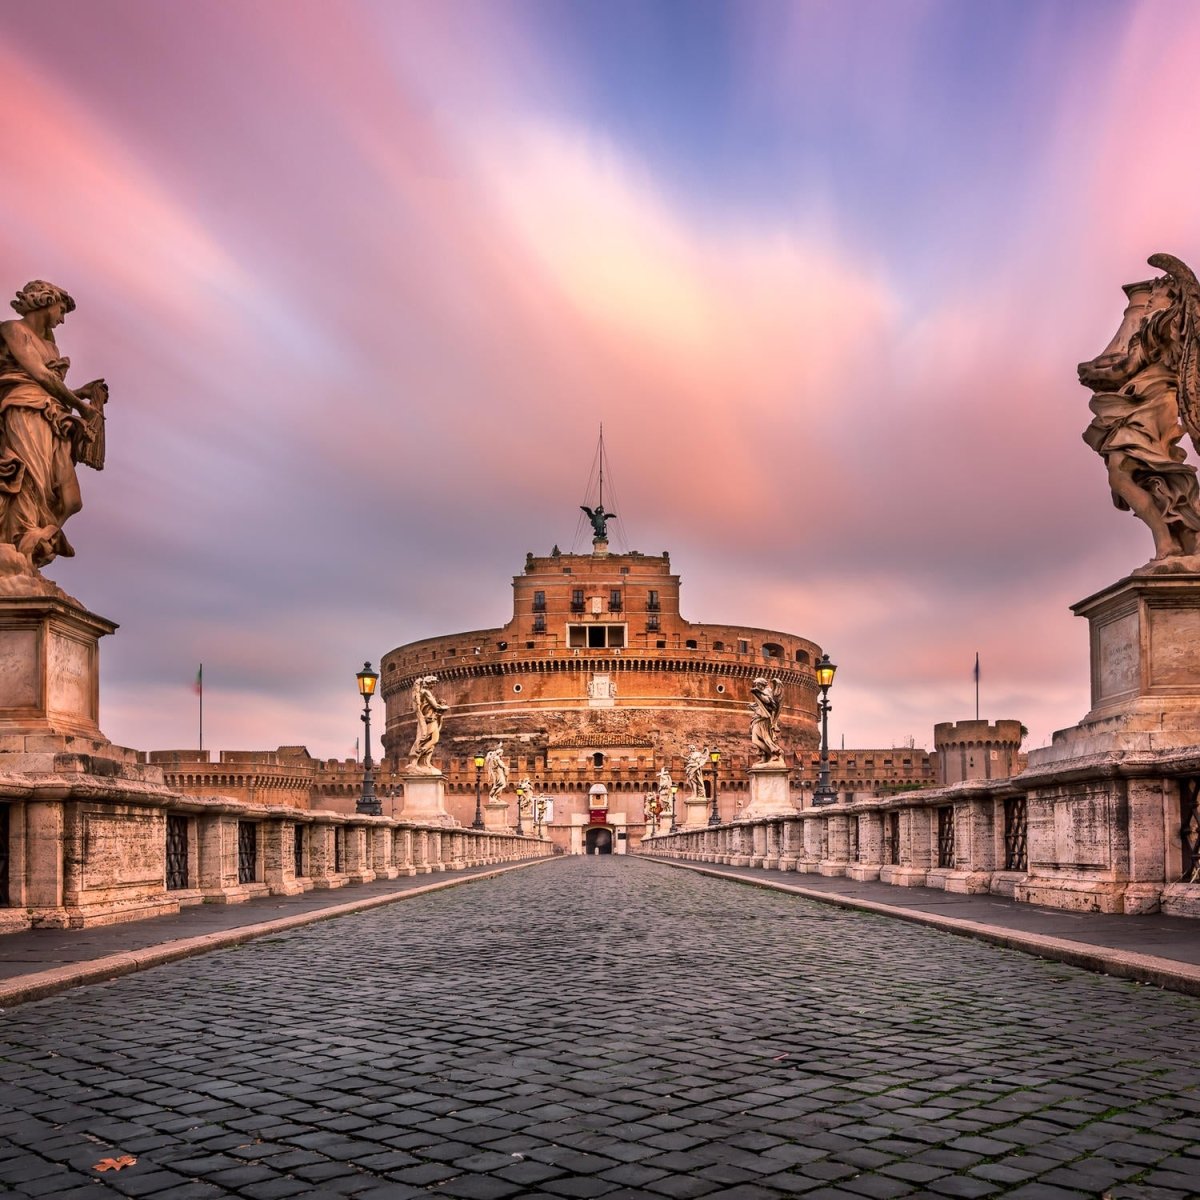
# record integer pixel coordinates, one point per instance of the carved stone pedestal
(425, 800)
(1144, 634)
(696, 810)
(770, 795)
(496, 816)
(49, 679)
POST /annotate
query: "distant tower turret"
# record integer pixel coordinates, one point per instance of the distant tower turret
(976, 750)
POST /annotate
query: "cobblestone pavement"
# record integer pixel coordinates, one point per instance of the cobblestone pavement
(605, 1027)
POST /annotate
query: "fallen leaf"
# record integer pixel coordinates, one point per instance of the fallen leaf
(115, 1164)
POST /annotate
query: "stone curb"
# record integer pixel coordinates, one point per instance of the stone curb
(60, 979)
(1142, 968)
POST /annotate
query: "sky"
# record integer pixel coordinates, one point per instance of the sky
(365, 278)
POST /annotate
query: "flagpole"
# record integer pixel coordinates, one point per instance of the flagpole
(200, 693)
(977, 685)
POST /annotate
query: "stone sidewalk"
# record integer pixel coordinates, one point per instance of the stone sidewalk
(604, 1027)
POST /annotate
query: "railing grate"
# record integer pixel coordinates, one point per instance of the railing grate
(1015, 857)
(1189, 827)
(945, 818)
(247, 851)
(298, 850)
(177, 852)
(893, 839)
(4, 855)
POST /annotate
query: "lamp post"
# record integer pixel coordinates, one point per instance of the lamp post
(368, 802)
(674, 802)
(478, 822)
(520, 806)
(824, 793)
(714, 818)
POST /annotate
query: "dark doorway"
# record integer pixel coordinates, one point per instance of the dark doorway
(598, 841)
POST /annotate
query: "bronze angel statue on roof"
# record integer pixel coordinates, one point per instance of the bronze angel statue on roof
(1146, 395)
(599, 519)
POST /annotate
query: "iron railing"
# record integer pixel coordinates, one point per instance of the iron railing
(1015, 833)
(177, 852)
(945, 816)
(247, 843)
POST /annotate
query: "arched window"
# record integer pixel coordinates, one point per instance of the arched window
(772, 650)
(597, 759)
(802, 656)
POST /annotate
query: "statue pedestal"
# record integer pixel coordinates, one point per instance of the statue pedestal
(1144, 634)
(496, 816)
(696, 812)
(50, 676)
(425, 800)
(770, 795)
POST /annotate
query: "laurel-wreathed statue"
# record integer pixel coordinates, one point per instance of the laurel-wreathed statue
(46, 428)
(1146, 396)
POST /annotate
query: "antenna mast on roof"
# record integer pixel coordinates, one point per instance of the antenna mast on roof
(598, 517)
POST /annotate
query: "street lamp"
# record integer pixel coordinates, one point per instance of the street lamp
(368, 802)
(824, 794)
(478, 822)
(674, 793)
(650, 802)
(520, 806)
(714, 818)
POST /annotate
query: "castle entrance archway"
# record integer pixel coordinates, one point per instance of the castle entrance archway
(598, 840)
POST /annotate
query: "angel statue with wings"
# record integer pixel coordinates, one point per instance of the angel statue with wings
(599, 519)
(1146, 386)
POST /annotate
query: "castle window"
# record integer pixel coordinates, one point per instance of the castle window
(690, 644)
(718, 645)
(720, 689)
(660, 645)
(539, 601)
(577, 600)
(614, 600)
(652, 602)
(802, 656)
(743, 646)
(652, 623)
(517, 688)
(772, 650)
(596, 637)
(597, 759)
(539, 623)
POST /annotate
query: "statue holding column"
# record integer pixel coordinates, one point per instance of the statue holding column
(665, 807)
(765, 704)
(1146, 396)
(46, 429)
(430, 712)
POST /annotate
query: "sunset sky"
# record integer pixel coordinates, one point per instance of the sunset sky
(365, 277)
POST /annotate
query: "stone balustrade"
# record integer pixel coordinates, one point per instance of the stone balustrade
(1117, 834)
(87, 854)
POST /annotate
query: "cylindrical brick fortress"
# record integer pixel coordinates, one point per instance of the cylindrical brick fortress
(597, 678)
